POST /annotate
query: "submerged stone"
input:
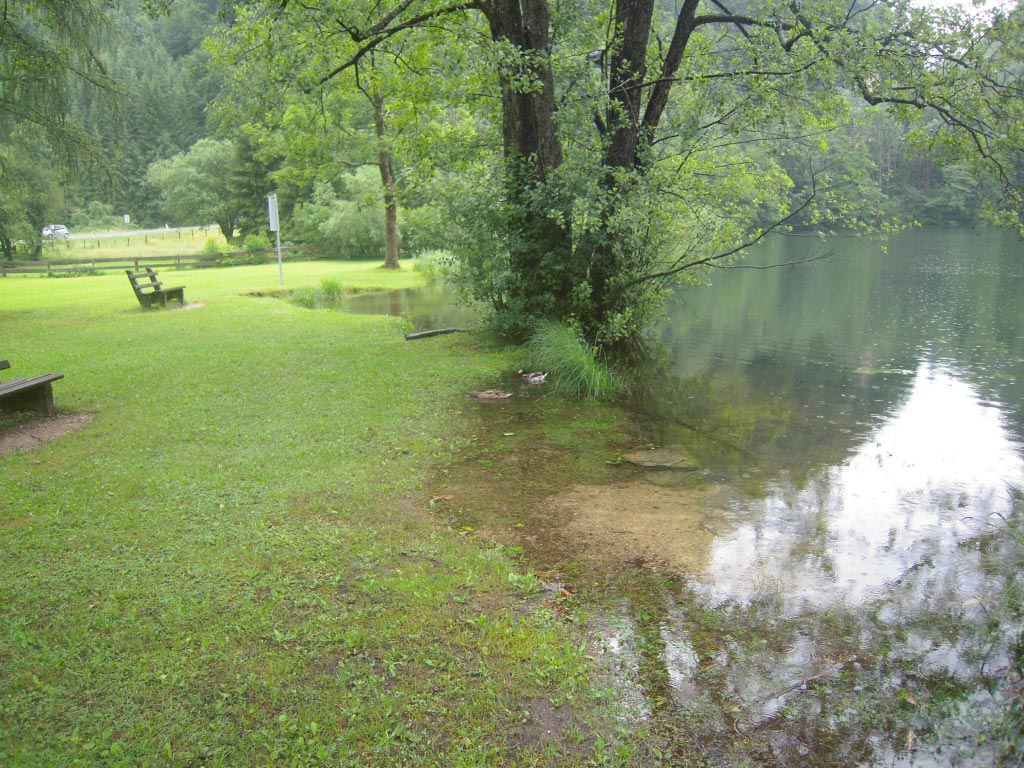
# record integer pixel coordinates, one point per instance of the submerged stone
(660, 458)
(491, 394)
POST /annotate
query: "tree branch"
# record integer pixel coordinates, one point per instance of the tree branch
(710, 260)
(380, 32)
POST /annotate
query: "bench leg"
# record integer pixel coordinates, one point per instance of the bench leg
(38, 398)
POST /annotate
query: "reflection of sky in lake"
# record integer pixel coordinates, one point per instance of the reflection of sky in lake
(934, 473)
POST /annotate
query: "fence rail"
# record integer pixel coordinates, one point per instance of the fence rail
(191, 261)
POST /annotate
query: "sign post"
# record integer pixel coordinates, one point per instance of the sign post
(276, 229)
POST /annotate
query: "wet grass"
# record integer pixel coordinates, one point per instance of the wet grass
(234, 565)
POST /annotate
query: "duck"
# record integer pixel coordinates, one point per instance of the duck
(534, 378)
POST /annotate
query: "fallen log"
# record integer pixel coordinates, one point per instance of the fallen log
(435, 332)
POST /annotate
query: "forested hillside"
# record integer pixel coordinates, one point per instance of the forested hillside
(164, 84)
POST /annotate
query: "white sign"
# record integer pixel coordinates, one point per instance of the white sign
(272, 206)
(276, 229)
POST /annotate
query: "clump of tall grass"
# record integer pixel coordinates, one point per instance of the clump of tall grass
(574, 366)
(328, 293)
(331, 290)
(304, 296)
(213, 247)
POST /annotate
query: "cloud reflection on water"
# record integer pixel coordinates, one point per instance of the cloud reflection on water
(935, 473)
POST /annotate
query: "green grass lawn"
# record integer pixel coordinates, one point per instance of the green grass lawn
(232, 564)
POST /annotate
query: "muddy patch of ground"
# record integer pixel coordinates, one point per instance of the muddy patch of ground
(25, 436)
(639, 522)
(544, 725)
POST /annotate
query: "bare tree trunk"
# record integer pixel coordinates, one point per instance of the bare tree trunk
(387, 180)
(541, 245)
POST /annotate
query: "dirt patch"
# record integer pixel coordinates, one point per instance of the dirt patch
(194, 305)
(28, 435)
(643, 523)
(544, 725)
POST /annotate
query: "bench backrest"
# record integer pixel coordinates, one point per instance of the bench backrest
(139, 280)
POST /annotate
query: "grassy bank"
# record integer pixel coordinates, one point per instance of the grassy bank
(233, 563)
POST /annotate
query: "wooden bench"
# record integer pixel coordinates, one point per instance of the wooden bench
(27, 394)
(148, 289)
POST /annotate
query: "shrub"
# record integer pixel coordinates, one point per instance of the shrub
(434, 265)
(95, 216)
(424, 228)
(213, 247)
(350, 224)
(574, 366)
(253, 245)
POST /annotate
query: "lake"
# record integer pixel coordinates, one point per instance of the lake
(875, 397)
(863, 416)
(832, 585)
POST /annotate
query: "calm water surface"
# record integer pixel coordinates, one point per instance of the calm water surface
(865, 414)
(875, 397)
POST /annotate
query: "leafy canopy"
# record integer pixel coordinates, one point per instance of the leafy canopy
(595, 153)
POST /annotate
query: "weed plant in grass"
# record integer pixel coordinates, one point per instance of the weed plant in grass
(573, 366)
(229, 565)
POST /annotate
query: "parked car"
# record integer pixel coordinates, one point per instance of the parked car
(55, 232)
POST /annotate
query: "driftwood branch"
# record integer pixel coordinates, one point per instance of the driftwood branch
(435, 332)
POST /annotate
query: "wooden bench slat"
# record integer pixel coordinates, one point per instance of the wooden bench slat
(34, 394)
(15, 385)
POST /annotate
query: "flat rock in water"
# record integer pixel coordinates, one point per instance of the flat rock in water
(490, 394)
(660, 458)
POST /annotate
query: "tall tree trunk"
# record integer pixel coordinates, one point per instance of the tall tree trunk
(387, 180)
(540, 240)
(547, 272)
(528, 126)
(637, 102)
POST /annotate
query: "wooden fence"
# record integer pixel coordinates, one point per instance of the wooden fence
(193, 261)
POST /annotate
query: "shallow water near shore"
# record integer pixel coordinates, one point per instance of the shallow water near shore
(828, 585)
